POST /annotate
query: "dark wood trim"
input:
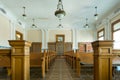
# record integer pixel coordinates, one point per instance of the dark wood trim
(112, 27)
(99, 32)
(60, 36)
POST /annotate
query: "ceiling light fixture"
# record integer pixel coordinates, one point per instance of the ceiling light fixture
(96, 15)
(60, 13)
(33, 25)
(60, 25)
(24, 15)
(86, 25)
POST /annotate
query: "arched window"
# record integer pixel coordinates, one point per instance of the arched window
(116, 34)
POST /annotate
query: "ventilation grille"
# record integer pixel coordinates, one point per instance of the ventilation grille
(3, 11)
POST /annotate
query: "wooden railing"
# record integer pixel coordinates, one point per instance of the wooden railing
(18, 60)
(103, 52)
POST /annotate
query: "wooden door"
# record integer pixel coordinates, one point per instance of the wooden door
(60, 48)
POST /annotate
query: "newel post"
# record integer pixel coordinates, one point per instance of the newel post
(20, 60)
(103, 59)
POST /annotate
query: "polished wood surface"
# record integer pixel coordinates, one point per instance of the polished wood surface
(5, 57)
(20, 61)
(103, 60)
(52, 46)
(36, 47)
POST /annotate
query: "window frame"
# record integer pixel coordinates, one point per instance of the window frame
(112, 28)
(115, 22)
(102, 35)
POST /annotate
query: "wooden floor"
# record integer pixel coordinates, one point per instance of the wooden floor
(59, 70)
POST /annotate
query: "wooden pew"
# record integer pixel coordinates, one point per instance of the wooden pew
(5, 60)
(83, 59)
(51, 57)
(38, 60)
(86, 59)
(69, 55)
(5, 57)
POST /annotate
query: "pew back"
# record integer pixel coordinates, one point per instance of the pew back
(36, 59)
(85, 58)
(5, 56)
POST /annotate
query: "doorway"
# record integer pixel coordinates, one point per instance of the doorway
(60, 44)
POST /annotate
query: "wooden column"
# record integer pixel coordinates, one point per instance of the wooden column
(20, 60)
(102, 60)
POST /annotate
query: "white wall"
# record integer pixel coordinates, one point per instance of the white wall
(85, 36)
(20, 29)
(5, 33)
(53, 33)
(34, 35)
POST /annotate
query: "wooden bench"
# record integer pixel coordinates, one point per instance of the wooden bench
(83, 59)
(5, 60)
(39, 60)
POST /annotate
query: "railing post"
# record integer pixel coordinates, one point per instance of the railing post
(78, 66)
(20, 60)
(102, 60)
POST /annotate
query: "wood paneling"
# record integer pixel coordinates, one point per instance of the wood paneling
(60, 47)
(85, 47)
(36, 47)
(67, 46)
(20, 61)
(52, 46)
(103, 60)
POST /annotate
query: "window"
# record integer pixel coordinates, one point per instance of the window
(116, 34)
(59, 38)
(100, 34)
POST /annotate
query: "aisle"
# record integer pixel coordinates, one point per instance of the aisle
(59, 71)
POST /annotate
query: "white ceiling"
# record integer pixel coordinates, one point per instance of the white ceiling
(43, 11)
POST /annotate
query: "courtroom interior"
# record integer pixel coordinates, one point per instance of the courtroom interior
(59, 39)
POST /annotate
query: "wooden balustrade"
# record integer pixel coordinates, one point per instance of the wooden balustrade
(102, 48)
(19, 56)
(18, 60)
